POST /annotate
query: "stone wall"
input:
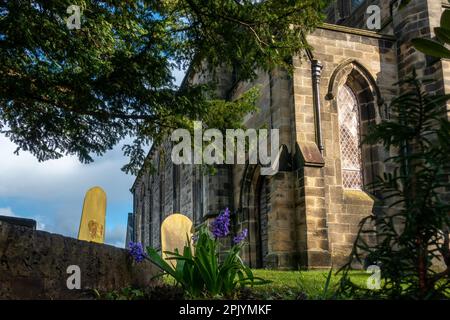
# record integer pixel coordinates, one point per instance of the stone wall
(33, 265)
(271, 222)
(327, 213)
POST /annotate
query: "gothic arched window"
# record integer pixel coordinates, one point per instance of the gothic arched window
(349, 138)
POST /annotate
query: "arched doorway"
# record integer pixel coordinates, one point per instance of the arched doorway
(262, 212)
(254, 215)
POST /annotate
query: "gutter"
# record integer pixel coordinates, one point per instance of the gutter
(316, 73)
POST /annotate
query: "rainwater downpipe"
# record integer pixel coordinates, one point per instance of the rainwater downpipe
(316, 69)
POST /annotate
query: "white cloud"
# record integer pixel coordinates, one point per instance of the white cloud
(7, 212)
(62, 179)
(116, 236)
(67, 224)
(53, 191)
(40, 225)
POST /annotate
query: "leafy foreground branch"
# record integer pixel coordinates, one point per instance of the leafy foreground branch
(412, 247)
(81, 91)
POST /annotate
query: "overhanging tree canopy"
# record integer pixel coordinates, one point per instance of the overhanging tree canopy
(79, 92)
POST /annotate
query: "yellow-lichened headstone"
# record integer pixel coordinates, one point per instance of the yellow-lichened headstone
(176, 230)
(92, 224)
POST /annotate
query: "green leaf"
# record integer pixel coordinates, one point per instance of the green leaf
(443, 34)
(431, 48)
(112, 79)
(445, 20)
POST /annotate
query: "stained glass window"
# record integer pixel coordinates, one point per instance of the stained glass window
(349, 134)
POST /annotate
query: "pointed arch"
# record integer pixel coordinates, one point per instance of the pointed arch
(350, 138)
(247, 213)
(347, 68)
(358, 80)
(253, 214)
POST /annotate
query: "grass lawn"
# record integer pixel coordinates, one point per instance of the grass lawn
(293, 285)
(297, 284)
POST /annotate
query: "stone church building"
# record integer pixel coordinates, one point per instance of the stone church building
(307, 214)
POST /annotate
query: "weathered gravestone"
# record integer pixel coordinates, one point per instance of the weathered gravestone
(176, 231)
(92, 224)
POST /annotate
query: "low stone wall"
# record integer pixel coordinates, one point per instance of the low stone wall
(33, 265)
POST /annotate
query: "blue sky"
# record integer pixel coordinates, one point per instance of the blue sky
(52, 192)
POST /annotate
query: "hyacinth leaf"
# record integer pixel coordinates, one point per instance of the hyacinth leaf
(160, 262)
